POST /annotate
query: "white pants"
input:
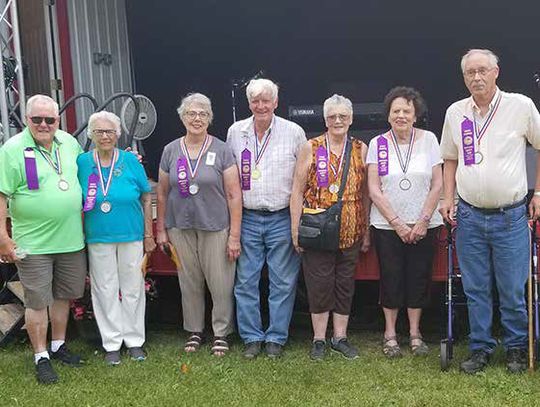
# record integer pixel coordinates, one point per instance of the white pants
(115, 268)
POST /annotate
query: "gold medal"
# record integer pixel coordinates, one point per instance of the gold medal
(256, 174)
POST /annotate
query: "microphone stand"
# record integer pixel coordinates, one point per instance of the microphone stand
(241, 83)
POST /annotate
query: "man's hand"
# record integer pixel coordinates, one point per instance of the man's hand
(447, 209)
(534, 207)
(7, 250)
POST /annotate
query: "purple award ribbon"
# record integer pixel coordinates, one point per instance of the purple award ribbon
(91, 192)
(183, 181)
(382, 155)
(30, 168)
(245, 169)
(467, 141)
(322, 167)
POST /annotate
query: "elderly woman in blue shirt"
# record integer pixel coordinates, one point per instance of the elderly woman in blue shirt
(118, 229)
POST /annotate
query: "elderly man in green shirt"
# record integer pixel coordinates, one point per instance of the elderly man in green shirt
(38, 178)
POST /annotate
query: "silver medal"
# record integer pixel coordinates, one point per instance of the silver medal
(478, 157)
(63, 185)
(333, 188)
(105, 207)
(193, 189)
(405, 184)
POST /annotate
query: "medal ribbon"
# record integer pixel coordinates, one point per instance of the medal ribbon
(480, 133)
(193, 170)
(105, 185)
(404, 165)
(259, 153)
(57, 166)
(340, 165)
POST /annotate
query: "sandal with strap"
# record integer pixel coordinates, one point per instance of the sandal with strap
(220, 346)
(420, 348)
(391, 351)
(194, 342)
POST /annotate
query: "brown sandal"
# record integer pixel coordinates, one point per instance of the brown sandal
(194, 341)
(420, 349)
(391, 351)
(220, 347)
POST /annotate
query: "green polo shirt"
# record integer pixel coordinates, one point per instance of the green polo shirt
(45, 220)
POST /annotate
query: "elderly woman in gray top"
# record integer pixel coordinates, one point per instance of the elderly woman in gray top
(199, 209)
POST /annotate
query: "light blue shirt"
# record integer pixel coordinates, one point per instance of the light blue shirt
(125, 221)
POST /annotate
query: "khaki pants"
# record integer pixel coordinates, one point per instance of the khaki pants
(204, 259)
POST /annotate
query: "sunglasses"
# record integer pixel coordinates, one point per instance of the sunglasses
(39, 120)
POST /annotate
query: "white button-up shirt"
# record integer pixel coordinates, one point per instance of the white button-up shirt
(272, 190)
(500, 179)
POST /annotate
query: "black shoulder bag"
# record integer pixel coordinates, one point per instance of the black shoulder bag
(320, 231)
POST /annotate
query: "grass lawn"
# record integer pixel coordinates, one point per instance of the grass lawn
(169, 377)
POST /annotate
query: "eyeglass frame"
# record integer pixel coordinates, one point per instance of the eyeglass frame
(203, 115)
(46, 119)
(102, 132)
(471, 73)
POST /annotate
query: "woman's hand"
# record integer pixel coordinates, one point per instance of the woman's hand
(149, 244)
(294, 236)
(233, 248)
(403, 230)
(162, 238)
(418, 231)
(366, 242)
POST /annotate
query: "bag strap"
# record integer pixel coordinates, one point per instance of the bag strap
(345, 172)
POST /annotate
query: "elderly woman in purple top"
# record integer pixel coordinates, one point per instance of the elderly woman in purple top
(200, 211)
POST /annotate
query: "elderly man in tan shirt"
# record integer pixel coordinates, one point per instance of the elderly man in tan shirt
(483, 146)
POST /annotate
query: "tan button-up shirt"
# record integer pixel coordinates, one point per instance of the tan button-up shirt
(500, 179)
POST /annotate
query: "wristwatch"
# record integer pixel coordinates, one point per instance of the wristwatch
(536, 193)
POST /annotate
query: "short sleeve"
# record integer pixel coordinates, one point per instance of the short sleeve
(10, 173)
(435, 151)
(165, 163)
(371, 157)
(300, 139)
(227, 157)
(533, 128)
(140, 175)
(449, 150)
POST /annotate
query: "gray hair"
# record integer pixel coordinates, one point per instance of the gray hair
(493, 59)
(107, 116)
(257, 87)
(196, 99)
(41, 99)
(337, 100)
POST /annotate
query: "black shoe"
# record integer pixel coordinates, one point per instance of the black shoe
(66, 357)
(344, 348)
(45, 373)
(516, 360)
(477, 362)
(318, 350)
(252, 350)
(273, 350)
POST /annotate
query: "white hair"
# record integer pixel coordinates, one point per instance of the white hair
(493, 59)
(337, 100)
(107, 116)
(41, 99)
(257, 87)
(196, 99)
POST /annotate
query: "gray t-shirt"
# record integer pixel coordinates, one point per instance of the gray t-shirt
(207, 210)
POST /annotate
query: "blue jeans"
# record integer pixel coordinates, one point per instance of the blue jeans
(266, 237)
(492, 248)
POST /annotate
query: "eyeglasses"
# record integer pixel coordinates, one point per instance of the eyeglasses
(102, 132)
(471, 73)
(39, 119)
(334, 117)
(191, 115)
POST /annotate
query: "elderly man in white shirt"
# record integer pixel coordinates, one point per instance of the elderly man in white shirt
(265, 147)
(483, 146)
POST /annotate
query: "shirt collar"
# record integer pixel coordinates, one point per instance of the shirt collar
(249, 128)
(475, 107)
(30, 142)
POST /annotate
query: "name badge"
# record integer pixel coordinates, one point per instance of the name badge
(210, 158)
